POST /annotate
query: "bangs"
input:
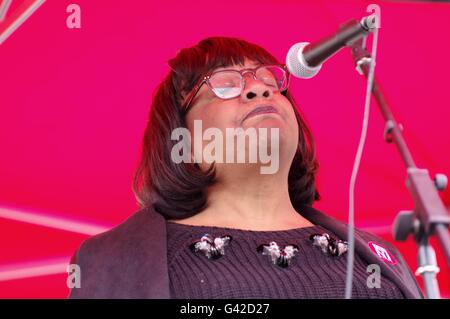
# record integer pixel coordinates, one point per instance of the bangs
(235, 52)
(213, 53)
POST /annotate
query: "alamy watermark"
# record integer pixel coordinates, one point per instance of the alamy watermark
(74, 276)
(73, 20)
(251, 145)
(374, 279)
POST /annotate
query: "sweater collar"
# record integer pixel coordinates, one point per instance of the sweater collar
(399, 274)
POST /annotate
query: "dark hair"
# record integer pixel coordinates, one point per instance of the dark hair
(178, 190)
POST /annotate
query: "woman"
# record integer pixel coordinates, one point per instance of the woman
(225, 228)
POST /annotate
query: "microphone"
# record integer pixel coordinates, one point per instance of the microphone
(304, 60)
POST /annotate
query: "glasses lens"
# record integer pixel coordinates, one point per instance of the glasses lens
(273, 76)
(226, 84)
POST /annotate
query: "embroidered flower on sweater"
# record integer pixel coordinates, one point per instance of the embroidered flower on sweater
(328, 244)
(280, 256)
(211, 248)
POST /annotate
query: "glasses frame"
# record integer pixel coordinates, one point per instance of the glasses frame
(188, 104)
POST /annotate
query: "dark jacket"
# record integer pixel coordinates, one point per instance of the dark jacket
(130, 260)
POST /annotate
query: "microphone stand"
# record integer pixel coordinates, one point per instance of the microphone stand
(429, 217)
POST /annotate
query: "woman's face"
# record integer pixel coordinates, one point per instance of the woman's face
(233, 113)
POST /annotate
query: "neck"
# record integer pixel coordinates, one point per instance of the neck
(250, 201)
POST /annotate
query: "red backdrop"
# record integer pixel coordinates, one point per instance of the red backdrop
(74, 104)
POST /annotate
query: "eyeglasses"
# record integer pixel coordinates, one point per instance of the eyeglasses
(227, 84)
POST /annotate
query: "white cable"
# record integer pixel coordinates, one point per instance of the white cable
(351, 221)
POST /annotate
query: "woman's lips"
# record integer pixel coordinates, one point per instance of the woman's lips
(260, 110)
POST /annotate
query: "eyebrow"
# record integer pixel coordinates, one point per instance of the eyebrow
(236, 69)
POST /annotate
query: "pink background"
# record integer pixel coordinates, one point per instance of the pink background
(74, 105)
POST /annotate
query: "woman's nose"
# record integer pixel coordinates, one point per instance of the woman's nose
(255, 89)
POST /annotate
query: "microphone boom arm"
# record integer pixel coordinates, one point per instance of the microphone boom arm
(430, 217)
(349, 32)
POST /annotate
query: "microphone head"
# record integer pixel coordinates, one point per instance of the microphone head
(297, 65)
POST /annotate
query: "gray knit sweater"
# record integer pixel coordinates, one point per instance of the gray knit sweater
(244, 273)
